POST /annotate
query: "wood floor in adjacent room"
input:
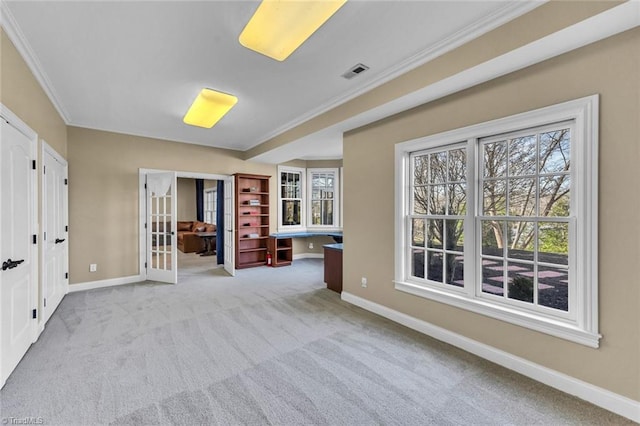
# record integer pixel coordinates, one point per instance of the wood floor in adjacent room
(270, 346)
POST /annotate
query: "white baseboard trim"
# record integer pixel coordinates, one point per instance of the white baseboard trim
(308, 256)
(90, 285)
(606, 399)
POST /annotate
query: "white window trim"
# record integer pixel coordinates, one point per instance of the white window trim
(336, 200)
(303, 202)
(583, 328)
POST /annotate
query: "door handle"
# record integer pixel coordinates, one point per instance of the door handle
(58, 240)
(10, 264)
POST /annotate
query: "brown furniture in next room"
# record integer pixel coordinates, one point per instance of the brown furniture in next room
(209, 239)
(333, 266)
(188, 239)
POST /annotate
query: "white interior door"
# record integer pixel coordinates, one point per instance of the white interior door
(55, 244)
(229, 214)
(162, 246)
(18, 251)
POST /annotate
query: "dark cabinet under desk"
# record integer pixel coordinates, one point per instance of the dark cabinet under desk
(333, 266)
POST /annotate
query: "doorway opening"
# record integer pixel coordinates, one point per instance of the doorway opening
(197, 225)
(172, 201)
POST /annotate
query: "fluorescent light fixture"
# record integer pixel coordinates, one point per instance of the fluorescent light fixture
(208, 108)
(280, 26)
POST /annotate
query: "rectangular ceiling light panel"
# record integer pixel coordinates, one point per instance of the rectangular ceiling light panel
(209, 107)
(279, 27)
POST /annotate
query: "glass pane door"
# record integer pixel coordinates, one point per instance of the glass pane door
(162, 261)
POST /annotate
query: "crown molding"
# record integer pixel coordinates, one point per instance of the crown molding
(598, 27)
(12, 29)
(508, 12)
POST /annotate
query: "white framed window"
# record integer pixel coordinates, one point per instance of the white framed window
(500, 218)
(291, 205)
(309, 198)
(210, 213)
(323, 198)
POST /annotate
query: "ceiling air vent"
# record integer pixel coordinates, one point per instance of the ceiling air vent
(355, 70)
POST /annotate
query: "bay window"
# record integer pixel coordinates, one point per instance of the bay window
(308, 199)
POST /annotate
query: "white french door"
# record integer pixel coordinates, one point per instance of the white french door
(162, 247)
(18, 249)
(55, 244)
(229, 240)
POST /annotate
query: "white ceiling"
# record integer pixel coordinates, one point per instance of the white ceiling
(135, 67)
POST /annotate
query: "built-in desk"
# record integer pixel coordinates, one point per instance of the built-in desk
(337, 236)
(333, 266)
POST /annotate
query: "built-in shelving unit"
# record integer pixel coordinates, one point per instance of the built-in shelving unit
(281, 250)
(252, 220)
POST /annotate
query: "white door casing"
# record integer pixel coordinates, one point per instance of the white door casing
(54, 231)
(229, 240)
(18, 238)
(144, 239)
(162, 245)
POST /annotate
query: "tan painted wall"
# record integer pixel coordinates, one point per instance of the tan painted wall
(610, 68)
(186, 199)
(319, 164)
(103, 193)
(23, 95)
(542, 21)
(212, 183)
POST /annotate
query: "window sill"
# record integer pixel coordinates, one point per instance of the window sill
(557, 328)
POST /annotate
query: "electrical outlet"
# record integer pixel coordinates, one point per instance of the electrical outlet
(363, 282)
(93, 267)
(310, 245)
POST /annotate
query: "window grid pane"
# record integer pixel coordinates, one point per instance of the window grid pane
(291, 198)
(526, 181)
(323, 198)
(438, 187)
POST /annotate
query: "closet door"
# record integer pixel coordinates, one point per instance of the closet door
(55, 240)
(18, 249)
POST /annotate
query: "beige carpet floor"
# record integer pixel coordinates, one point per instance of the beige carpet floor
(270, 346)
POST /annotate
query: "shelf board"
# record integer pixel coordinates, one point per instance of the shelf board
(250, 265)
(253, 215)
(250, 239)
(254, 226)
(252, 250)
(252, 193)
